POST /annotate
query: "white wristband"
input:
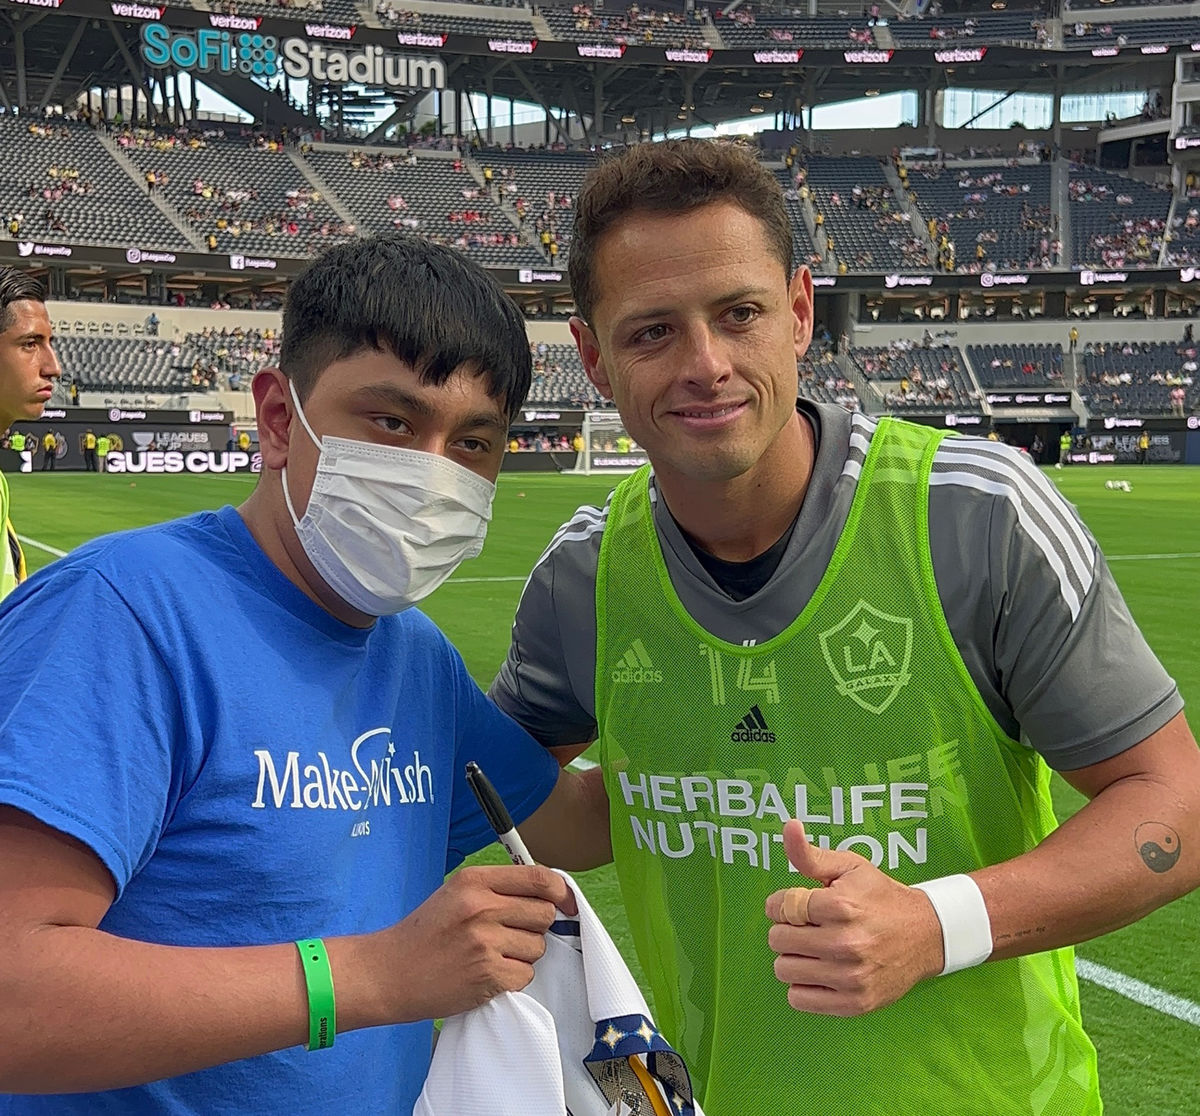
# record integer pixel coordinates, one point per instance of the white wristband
(966, 928)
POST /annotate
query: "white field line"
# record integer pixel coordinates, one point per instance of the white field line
(1139, 992)
(42, 546)
(479, 580)
(1149, 557)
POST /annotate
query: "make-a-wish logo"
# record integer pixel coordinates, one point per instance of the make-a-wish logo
(377, 776)
(868, 654)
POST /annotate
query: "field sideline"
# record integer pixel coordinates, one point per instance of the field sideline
(1149, 1060)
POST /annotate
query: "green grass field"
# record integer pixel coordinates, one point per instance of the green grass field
(1149, 1060)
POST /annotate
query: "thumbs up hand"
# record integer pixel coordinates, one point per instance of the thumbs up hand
(857, 943)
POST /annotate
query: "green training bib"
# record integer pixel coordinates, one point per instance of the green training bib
(12, 561)
(861, 720)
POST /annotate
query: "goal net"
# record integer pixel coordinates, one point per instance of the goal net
(607, 446)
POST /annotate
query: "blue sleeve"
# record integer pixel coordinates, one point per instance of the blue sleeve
(88, 713)
(521, 770)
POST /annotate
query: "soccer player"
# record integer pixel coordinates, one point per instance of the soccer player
(1064, 448)
(267, 745)
(28, 369)
(818, 647)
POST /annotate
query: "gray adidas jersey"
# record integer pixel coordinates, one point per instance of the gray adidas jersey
(1029, 599)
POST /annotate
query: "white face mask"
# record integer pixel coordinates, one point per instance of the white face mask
(386, 526)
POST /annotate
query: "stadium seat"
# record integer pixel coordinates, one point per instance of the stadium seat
(426, 192)
(912, 378)
(1018, 365)
(996, 217)
(80, 193)
(1137, 378)
(1116, 221)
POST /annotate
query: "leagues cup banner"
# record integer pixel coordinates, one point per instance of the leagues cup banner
(139, 441)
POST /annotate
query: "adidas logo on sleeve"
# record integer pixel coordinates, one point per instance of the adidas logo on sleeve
(752, 729)
(635, 666)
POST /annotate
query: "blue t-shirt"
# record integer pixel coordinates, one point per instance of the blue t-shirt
(250, 770)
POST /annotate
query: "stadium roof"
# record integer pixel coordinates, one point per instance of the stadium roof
(55, 49)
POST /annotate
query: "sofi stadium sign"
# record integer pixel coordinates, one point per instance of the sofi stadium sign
(250, 54)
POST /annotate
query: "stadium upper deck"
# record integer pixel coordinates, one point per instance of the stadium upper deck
(227, 190)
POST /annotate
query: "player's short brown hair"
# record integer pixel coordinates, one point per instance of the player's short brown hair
(673, 176)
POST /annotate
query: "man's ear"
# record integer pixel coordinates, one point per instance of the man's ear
(800, 294)
(273, 407)
(589, 353)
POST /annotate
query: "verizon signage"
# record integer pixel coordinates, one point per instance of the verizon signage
(600, 50)
(329, 31)
(778, 57)
(420, 39)
(960, 54)
(687, 55)
(871, 57)
(137, 11)
(512, 46)
(235, 22)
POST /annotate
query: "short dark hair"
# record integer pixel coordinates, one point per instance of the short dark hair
(673, 176)
(426, 304)
(17, 286)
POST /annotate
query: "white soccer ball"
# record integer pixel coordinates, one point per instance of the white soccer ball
(1110, 485)
(1058, 464)
(1126, 486)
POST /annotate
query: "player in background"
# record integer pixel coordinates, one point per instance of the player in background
(28, 370)
(819, 648)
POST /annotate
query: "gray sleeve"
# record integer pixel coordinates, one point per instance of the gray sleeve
(1044, 632)
(547, 681)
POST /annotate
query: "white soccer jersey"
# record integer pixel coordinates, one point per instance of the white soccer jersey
(578, 1041)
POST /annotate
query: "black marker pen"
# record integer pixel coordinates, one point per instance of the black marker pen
(496, 813)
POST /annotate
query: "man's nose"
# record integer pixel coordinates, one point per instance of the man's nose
(709, 364)
(51, 366)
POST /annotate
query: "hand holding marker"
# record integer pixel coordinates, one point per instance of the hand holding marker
(501, 821)
(496, 813)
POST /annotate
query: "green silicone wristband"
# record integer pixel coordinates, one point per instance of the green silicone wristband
(322, 1014)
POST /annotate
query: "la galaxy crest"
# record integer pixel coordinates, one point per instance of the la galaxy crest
(868, 654)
